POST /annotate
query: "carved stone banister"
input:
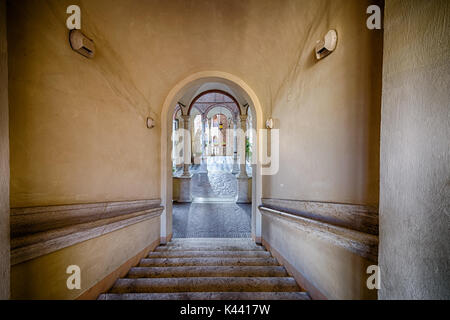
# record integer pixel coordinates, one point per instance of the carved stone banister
(37, 219)
(363, 244)
(42, 230)
(361, 218)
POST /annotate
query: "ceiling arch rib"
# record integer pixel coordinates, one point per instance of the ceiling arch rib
(217, 110)
(206, 99)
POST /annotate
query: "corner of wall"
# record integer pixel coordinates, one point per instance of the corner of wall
(4, 160)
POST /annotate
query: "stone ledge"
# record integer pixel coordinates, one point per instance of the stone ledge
(356, 217)
(31, 245)
(363, 244)
(37, 219)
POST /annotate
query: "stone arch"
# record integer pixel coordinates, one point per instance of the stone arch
(219, 105)
(213, 91)
(211, 112)
(175, 94)
(175, 112)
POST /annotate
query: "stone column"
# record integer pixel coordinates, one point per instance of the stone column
(241, 147)
(182, 184)
(243, 179)
(186, 145)
(204, 162)
(204, 119)
(235, 148)
(210, 137)
(211, 141)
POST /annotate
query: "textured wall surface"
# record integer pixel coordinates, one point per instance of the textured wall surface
(78, 126)
(4, 159)
(328, 113)
(334, 271)
(45, 277)
(415, 151)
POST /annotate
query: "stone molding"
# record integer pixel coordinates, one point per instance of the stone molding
(356, 217)
(363, 244)
(37, 231)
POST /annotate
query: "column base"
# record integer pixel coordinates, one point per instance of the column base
(242, 176)
(204, 166)
(182, 186)
(185, 175)
(244, 190)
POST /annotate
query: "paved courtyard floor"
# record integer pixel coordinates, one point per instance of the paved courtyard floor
(214, 212)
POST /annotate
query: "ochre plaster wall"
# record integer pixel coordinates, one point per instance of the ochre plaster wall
(333, 271)
(45, 277)
(78, 126)
(415, 151)
(328, 114)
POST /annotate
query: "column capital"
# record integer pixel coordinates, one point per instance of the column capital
(243, 117)
(186, 117)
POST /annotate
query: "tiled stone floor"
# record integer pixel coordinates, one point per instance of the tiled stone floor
(214, 185)
(214, 212)
(211, 220)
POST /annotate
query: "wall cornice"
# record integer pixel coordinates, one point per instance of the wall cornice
(351, 216)
(315, 223)
(37, 231)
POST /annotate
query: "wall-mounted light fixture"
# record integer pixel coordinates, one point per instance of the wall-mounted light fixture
(81, 44)
(327, 45)
(150, 123)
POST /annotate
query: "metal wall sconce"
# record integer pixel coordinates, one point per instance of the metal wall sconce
(81, 44)
(150, 123)
(327, 45)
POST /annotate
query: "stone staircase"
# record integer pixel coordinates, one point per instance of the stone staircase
(207, 269)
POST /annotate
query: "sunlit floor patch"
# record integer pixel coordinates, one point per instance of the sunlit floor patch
(212, 220)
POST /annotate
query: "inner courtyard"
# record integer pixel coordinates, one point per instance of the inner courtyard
(208, 200)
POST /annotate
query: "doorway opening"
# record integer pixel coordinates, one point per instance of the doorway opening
(212, 195)
(205, 191)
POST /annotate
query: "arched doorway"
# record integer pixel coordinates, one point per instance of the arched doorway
(212, 195)
(193, 86)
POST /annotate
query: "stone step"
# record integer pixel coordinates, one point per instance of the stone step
(213, 284)
(207, 271)
(211, 240)
(210, 247)
(198, 254)
(179, 262)
(208, 296)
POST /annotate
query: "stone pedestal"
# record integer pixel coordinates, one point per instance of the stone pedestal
(204, 166)
(182, 187)
(235, 164)
(244, 189)
(235, 148)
